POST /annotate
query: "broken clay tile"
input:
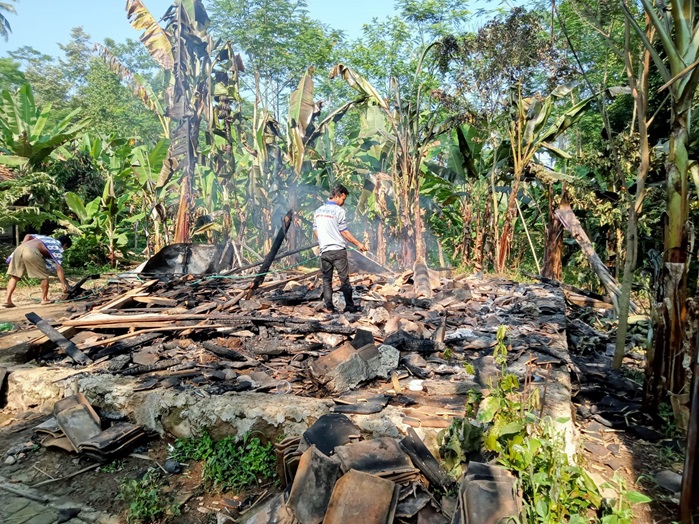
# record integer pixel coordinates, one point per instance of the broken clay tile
(381, 456)
(429, 515)
(331, 431)
(77, 424)
(58, 442)
(313, 485)
(75, 400)
(487, 494)
(145, 358)
(411, 505)
(361, 498)
(113, 437)
(362, 338)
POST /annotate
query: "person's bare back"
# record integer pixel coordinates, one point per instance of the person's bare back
(38, 244)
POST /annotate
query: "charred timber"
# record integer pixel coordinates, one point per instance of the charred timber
(281, 235)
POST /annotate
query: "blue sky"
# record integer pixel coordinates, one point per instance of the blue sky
(42, 24)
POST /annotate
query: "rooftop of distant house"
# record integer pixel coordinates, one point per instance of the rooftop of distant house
(6, 174)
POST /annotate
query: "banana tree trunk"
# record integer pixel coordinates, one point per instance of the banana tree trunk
(508, 227)
(672, 342)
(187, 132)
(553, 260)
(635, 206)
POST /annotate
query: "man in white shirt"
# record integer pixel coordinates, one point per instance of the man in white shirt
(330, 227)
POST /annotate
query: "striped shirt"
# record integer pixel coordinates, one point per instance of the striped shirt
(54, 248)
(329, 222)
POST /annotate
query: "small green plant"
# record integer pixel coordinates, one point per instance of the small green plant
(620, 510)
(506, 424)
(456, 442)
(667, 415)
(146, 501)
(447, 353)
(469, 368)
(113, 467)
(194, 448)
(231, 463)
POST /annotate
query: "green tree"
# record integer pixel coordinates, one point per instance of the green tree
(45, 75)
(279, 42)
(11, 76)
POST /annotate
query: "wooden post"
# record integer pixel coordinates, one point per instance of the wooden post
(281, 235)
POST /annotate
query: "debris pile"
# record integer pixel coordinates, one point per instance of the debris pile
(408, 358)
(333, 476)
(203, 333)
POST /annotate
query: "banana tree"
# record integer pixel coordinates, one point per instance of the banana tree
(411, 131)
(677, 27)
(25, 142)
(182, 48)
(531, 131)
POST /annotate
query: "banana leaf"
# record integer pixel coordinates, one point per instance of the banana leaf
(154, 37)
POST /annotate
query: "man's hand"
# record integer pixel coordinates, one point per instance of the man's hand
(363, 247)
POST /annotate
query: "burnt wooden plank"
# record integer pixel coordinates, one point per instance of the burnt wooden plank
(55, 336)
(125, 345)
(224, 352)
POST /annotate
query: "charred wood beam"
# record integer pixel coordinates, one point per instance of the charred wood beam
(158, 366)
(267, 262)
(125, 345)
(316, 327)
(55, 336)
(224, 352)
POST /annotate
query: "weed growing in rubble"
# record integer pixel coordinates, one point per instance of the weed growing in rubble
(504, 423)
(113, 467)
(146, 501)
(231, 463)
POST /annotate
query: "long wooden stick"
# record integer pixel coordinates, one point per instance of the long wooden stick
(79, 472)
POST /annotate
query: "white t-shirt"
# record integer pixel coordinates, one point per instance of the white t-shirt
(328, 222)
